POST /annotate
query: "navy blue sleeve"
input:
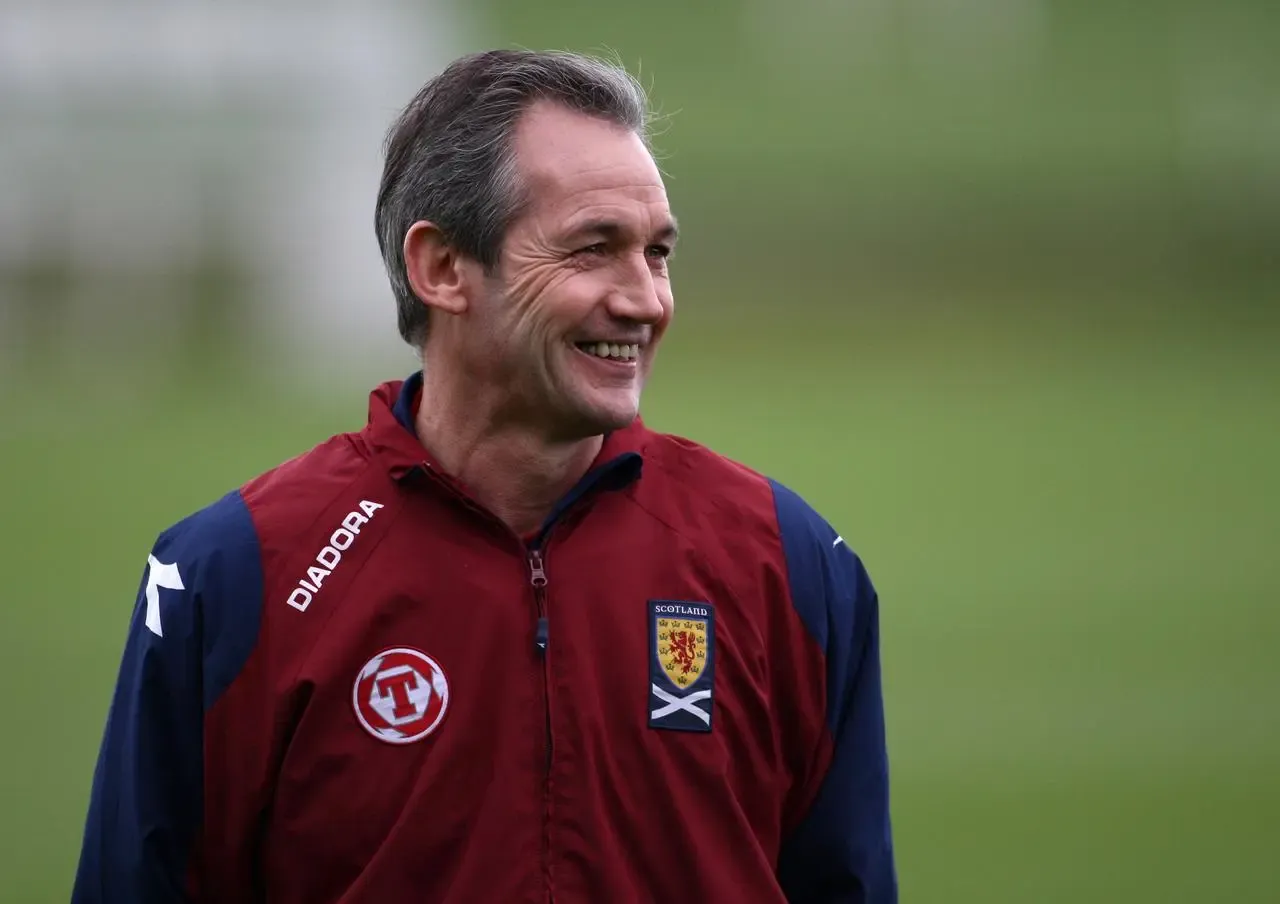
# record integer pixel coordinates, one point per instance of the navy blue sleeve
(842, 852)
(194, 623)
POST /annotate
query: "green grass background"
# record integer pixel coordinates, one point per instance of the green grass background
(1016, 334)
(1073, 534)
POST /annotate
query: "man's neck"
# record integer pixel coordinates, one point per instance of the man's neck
(512, 471)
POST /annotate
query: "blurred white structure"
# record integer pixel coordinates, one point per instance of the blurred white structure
(136, 133)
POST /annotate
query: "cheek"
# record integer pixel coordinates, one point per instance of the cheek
(532, 325)
(529, 337)
(568, 302)
(543, 298)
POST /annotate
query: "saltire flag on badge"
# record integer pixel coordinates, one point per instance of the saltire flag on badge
(682, 645)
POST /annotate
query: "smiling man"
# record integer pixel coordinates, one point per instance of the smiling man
(505, 643)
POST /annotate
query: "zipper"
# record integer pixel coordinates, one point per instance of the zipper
(541, 639)
(538, 578)
(541, 636)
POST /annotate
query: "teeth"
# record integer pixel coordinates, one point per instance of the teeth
(612, 350)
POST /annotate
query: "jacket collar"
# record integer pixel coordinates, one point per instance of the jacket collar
(391, 435)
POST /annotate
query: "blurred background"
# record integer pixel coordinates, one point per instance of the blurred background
(994, 283)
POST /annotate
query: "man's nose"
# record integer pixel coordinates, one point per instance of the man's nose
(637, 296)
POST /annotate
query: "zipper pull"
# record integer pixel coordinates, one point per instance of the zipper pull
(538, 578)
(537, 574)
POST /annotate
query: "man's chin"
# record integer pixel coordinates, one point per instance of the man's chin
(597, 416)
(608, 422)
(592, 404)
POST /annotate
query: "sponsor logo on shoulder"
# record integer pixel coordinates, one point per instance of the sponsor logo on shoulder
(401, 695)
(328, 559)
(682, 661)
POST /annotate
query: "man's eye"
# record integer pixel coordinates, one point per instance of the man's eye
(659, 251)
(597, 248)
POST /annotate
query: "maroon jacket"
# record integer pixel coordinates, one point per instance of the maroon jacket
(349, 682)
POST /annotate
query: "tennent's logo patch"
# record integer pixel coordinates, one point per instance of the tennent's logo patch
(682, 660)
(401, 695)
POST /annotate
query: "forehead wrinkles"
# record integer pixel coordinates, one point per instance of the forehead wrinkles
(612, 184)
(582, 157)
(639, 209)
(551, 139)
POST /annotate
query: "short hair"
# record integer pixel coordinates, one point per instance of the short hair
(450, 158)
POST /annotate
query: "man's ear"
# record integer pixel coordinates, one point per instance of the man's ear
(437, 272)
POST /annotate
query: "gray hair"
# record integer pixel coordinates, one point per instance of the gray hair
(450, 155)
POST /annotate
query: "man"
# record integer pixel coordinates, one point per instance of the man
(504, 644)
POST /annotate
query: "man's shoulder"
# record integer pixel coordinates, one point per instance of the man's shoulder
(721, 483)
(690, 463)
(298, 490)
(287, 496)
(752, 515)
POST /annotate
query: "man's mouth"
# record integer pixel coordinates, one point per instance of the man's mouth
(611, 350)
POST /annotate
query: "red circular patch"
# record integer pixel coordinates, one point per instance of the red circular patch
(401, 695)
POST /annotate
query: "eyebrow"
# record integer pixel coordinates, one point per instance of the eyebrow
(612, 230)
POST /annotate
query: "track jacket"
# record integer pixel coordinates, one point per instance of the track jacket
(348, 683)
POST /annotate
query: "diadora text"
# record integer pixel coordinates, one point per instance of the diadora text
(331, 555)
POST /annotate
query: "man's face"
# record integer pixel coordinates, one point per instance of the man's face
(570, 322)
